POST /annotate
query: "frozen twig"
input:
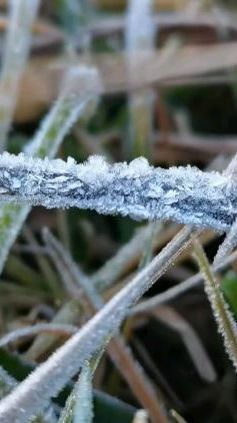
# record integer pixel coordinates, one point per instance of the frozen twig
(21, 18)
(48, 379)
(182, 194)
(77, 100)
(174, 292)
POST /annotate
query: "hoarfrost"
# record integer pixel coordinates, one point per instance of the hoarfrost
(182, 194)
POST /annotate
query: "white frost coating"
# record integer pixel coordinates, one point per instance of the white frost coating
(183, 194)
(21, 18)
(50, 377)
(78, 99)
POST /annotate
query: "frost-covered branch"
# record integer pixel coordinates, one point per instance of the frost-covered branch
(22, 14)
(182, 194)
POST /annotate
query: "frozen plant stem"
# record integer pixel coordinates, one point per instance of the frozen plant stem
(21, 18)
(50, 377)
(77, 100)
(183, 194)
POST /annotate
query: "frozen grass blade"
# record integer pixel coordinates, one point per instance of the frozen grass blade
(177, 290)
(224, 319)
(8, 383)
(119, 352)
(54, 328)
(79, 405)
(49, 378)
(182, 194)
(21, 18)
(77, 100)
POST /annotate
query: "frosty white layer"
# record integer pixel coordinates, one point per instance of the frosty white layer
(183, 194)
